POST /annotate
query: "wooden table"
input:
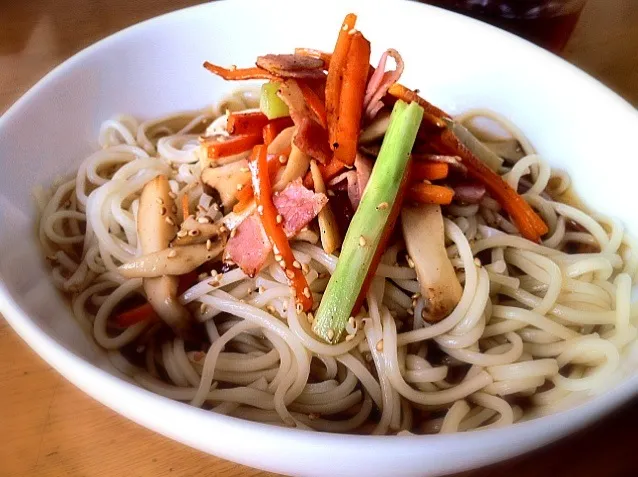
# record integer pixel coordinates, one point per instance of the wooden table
(49, 428)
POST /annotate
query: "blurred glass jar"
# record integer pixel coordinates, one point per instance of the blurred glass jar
(548, 23)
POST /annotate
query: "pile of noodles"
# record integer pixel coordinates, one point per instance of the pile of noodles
(536, 329)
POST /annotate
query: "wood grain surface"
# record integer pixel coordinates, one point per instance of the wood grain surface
(49, 428)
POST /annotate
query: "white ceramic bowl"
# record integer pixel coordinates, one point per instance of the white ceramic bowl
(155, 68)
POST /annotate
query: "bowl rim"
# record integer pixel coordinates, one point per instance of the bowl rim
(81, 372)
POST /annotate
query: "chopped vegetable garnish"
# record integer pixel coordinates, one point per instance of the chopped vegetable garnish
(430, 171)
(370, 226)
(474, 145)
(430, 194)
(136, 315)
(328, 229)
(231, 146)
(353, 89)
(270, 103)
(335, 74)
(274, 228)
(238, 74)
(251, 122)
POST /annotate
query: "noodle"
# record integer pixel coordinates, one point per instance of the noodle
(535, 323)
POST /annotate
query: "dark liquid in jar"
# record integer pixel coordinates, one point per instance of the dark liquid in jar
(548, 23)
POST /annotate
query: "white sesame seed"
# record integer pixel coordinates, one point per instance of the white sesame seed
(169, 220)
(296, 264)
(270, 309)
(344, 27)
(379, 345)
(416, 296)
(305, 268)
(172, 254)
(209, 244)
(351, 321)
(275, 250)
(352, 32)
(282, 263)
(203, 220)
(299, 308)
(163, 211)
(233, 233)
(306, 292)
(410, 311)
(240, 186)
(278, 258)
(331, 334)
(182, 233)
(410, 262)
(383, 206)
(203, 308)
(232, 67)
(159, 200)
(362, 241)
(350, 337)
(279, 218)
(290, 274)
(477, 262)
(260, 209)
(310, 317)
(223, 229)
(283, 159)
(244, 169)
(261, 290)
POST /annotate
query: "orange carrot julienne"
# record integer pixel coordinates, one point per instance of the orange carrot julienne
(353, 88)
(246, 122)
(135, 315)
(430, 171)
(232, 146)
(314, 103)
(236, 74)
(432, 114)
(335, 73)
(246, 194)
(185, 207)
(430, 194)
(274, 230)
(274, 127)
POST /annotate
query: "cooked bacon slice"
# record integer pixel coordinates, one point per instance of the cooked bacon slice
(292, 66)
(249, 246)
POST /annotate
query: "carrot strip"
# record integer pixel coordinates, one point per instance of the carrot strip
(314, 103)
(236, 74)
(274, 127)
(185, 207)
(234, 145)
(430, 171)
(246, 123)
(353, 88)
(275, 231)
(531, 226)
(431, 114)
(335, 74)
(430, 194)
(246, 194)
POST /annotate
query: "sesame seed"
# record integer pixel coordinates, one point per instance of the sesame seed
(383, 206)
(305, 229)
(233, 233)
(244, 169)
(260, 209)
(414, 302)
(282, 263)
(410, 262)
(278, 258)
(203, 308)
(261, 290)
(223, 229)
(352, 32)
(331, 193)
(299, 308)
(240, 186)
(193, 233)
(306, 292)
(310, 317)
(182, 233)
(209, 244)
(283, 159)
(159, 200)
(172, 254)
(163, 211)
(344, 27)
(331, 334)
(362, 241)
(169, 220)
(296, 264)
(351, 321)
(172, 195)
(270, 309)
(279, 218)
(410, 311)
(379, 345)
(350, 337)
(416, 296)
(477, 262)
(275, 249)
(232, 67)
(424, 315)
(203, 220)
(290, 274)
(213, 273)
(305, 268)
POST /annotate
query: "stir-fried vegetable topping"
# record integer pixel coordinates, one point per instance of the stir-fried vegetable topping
(270, 104)
(370, 226)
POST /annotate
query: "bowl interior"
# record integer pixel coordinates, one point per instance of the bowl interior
(155, 68)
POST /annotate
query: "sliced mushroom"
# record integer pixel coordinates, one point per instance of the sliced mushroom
(193, 231)
(296, 167)
(171, 261)
(376, 129)
(328, 229)
(155, 229)
(227, 179)
(424, 237)
(282, 141)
